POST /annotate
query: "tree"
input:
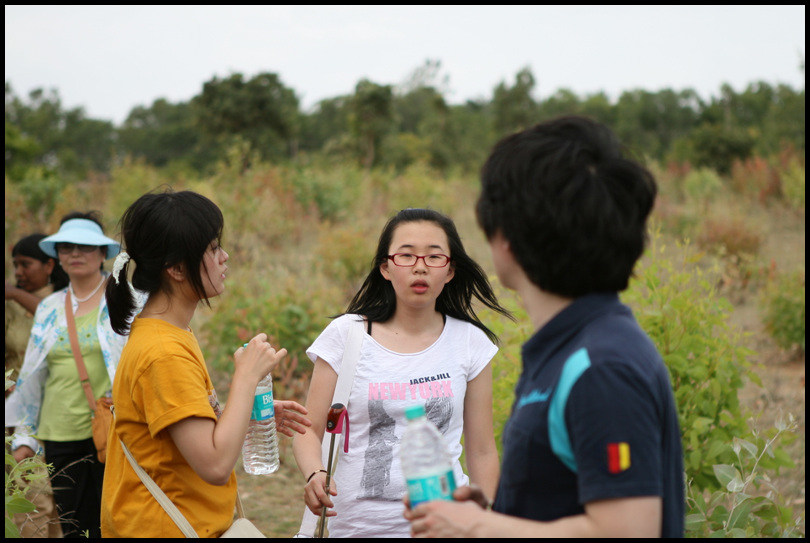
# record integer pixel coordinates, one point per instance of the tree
(371, 117)
(21, 152)
(64, 142)
(773, 116)
(649, 122)
(421, 116)
(470, 134)
(327, 124)
(161, 134)
(717, 146)
(262, 111)
(513, 107)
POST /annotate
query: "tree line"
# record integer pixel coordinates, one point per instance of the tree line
(389, 125)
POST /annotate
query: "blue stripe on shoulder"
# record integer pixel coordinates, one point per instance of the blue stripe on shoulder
(574, 367)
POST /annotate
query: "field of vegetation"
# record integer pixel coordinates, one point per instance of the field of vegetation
(721, 291)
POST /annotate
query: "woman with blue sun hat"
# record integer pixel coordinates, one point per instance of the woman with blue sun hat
(49, 400)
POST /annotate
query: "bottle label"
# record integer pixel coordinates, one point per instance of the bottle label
(263, 406)
(434, 487)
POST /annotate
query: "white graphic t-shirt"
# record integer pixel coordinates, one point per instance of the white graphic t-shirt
(369, 478)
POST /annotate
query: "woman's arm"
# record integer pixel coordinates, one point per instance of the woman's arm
(24, 298)
(307, 446)
(479, 441)
(212, 447)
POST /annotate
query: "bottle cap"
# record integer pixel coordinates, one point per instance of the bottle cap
(414, 411)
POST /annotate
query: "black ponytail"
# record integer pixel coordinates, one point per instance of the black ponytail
(160, 230)
(120, 302)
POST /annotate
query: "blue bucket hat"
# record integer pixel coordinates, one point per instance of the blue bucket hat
(80, 232)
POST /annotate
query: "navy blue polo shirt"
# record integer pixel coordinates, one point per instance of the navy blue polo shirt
(594, 418)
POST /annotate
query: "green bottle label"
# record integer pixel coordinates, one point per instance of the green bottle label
(263, 406)
(434, 487)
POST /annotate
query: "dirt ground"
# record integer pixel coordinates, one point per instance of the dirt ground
(782, 371)
(782, 393)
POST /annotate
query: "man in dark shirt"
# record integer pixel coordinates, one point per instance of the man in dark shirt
(592, 447)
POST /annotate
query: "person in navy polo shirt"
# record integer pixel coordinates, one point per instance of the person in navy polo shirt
(592, 447)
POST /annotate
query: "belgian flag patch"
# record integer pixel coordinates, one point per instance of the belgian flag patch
(618, 457)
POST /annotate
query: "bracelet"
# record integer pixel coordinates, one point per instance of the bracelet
(313, 474)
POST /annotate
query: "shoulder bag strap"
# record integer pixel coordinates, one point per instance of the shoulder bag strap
(351, 355)
(167, 505)
(343, 387)
(164, 501)
(77, 353)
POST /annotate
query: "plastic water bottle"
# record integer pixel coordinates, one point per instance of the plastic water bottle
(260, 450)
(425, 462)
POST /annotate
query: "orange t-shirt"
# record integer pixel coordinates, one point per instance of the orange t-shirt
(161, 379)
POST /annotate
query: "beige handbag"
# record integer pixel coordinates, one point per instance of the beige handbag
(241, 527)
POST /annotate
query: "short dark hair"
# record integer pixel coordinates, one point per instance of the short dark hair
(160, 230)
(377, 301)
(571, 205)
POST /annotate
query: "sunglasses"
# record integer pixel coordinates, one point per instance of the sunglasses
(68, 248)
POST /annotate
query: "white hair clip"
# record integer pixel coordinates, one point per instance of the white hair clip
(118, 265)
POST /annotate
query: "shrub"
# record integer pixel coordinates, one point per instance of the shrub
(420, 186)
(131, 180)
(677, 219)
(507, 365)
(739, 508)
(261, 213)
(793, 184)
(333, 192)
(675, 302)
(345, 253)
(702, 184)
(291, 314)
(729, 237)
(18, 221)
(784, 310)
(30, 469)
(41, 188)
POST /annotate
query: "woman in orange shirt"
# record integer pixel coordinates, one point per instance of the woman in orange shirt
(166, 408)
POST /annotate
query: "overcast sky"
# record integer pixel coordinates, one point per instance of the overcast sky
(109, 59)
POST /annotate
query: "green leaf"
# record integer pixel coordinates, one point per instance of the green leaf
(767, 512)
(785, 515)
(11, 529)
(739, 516)
(750, 448)
(720, 514)
(693, 522)
(725, 473)
(18, 504)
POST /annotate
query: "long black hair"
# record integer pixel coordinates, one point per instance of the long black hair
(160, 230)
(377, 301)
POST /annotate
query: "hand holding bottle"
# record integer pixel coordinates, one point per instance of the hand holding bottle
(257, 358)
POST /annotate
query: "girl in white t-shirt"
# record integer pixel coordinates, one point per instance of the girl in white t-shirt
(424, 344)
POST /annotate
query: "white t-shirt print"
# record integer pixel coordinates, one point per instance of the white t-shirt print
(369, 478)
